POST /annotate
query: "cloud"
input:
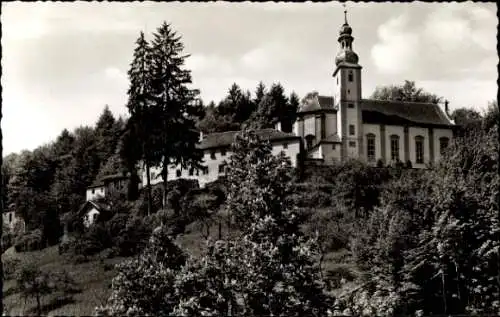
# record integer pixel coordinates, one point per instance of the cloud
(397, 49)
(201, 63)
(446, 40)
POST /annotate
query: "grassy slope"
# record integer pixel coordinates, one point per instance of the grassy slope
(94, 279)
(91, 277)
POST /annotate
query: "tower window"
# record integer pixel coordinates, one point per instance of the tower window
(352, 144)
(419, 149)
(350, 77)
(443, 144)
(370, 147)
(350, 105)
(352, 130)
(394, 147)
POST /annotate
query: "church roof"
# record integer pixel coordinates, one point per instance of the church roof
(225, 139)
(375, 111)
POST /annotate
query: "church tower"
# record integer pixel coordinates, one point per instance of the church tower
(347, 95)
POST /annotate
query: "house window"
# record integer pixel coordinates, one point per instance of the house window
(309, 141)
(222, 168)
(10, 217)
(352, 130)
(191, 172)
(348, 91)
(337, 80)
(370, 147)
(350, 105)
(419, 149)
(394, 147)
(333, 146)
(94, 217)
(205, 170)
(93, 191)
(197, 172)
(285, 145)
(443, 144)
(212, 155)
(350, 76)
(153, 175)
(352, 144)
(223, 152)
(178, 173)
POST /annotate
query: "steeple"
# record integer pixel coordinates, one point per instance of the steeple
(346, 54)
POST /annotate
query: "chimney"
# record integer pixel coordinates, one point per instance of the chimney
(446, 107)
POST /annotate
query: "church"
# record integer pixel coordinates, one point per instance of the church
(341, 126)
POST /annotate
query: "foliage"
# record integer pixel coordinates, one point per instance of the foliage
(405, 92)
(30, 241)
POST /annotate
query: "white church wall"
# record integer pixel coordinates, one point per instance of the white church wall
(331, 124)
(309, 125)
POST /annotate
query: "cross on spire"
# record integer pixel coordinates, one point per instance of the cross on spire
(345, 12)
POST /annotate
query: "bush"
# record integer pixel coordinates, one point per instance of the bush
(10, 267)
(30, 241)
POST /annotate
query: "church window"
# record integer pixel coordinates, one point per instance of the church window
(350, 77)
(352, 144)
(178, 173)
(394, 147)
(419, 149)
(350, 105)
(352, 130)
(443, 144)
(370, 147)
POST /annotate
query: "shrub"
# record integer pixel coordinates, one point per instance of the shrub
(10, 267)
(30, 241)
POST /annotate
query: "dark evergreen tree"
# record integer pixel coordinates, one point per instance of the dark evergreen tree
(174, 103)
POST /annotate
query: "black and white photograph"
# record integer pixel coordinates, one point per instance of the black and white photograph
(249, 159)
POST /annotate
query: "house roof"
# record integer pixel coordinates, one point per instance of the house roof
(113, 177)
(225, 139)
(92, 203)
(374, 111)
(314, 102)
(333, 138)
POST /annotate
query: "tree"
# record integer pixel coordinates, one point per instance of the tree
(106, 135)
(176, 105)
(139, 140)
(406, 92)
(260, 92)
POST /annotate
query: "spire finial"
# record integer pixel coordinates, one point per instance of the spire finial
(345, 12)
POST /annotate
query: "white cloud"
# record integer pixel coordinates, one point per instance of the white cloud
(397, 50)
(200, 63)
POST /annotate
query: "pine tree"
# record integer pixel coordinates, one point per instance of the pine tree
(175, 104)
(142, 125)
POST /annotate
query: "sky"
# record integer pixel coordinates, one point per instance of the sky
(63, 62)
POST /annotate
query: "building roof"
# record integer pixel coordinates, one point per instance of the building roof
(375, 111)
(314, 102)
(225, 139)
(92, 203)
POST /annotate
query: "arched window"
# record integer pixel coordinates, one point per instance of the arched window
(309, 141)
(395, 147)
(350, 76)
(370, 147)
(419, 149)
(443, 144)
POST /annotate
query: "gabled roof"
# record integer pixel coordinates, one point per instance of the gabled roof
(92, 203)
(225, 139)
(314, 103)
(374, 111)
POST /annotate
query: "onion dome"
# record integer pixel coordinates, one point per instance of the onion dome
(345, 29)
(346, 56)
